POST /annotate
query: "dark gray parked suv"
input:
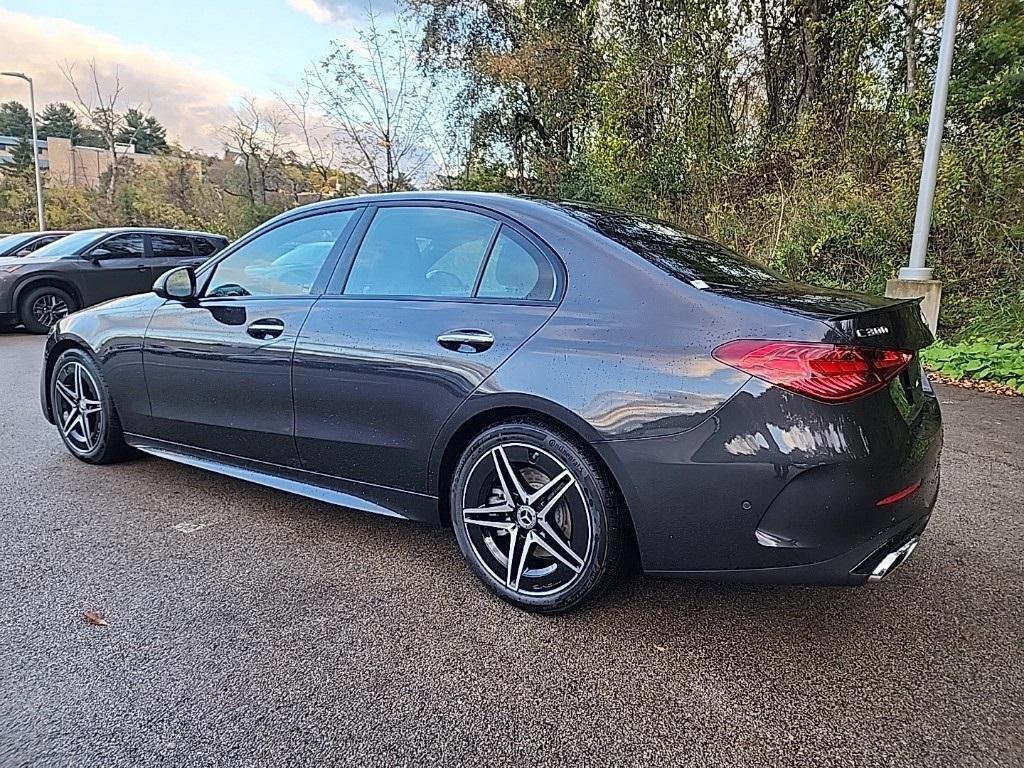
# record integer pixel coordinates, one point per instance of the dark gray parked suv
(91, 266)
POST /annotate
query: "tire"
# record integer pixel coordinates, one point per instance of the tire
(42, 307)
(584, 517)
(83, 410)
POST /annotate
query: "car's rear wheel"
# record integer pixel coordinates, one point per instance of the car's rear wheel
(42, 307)
(536, 517)
(84, 413)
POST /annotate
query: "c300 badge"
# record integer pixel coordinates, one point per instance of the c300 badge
(878, 330)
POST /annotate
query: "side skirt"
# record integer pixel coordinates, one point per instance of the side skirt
(379, 500)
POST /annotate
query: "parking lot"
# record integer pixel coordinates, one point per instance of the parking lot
(251, 627)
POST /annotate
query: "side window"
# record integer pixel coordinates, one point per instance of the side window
(119, 247)
(282, 262)
(204, 248)
(516, 270)
(421, 251)
(171, 247)
(37, 244)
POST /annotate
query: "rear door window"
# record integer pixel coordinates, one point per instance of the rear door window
(421, 251)
(171, 247)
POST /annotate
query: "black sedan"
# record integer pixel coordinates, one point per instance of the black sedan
(15, 246)
(568, 387)
(91, 266)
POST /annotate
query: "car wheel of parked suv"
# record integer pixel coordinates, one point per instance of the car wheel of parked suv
(44, 306)
(84, 412)
(536, 517)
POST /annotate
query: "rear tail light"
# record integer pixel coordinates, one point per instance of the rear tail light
(832, 373)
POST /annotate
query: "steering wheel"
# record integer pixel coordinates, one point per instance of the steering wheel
(446, 283)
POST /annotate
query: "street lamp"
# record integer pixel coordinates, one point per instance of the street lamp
(35, 148)
(915, 279)
(916, 270)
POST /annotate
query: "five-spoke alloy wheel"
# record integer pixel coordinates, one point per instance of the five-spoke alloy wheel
(83, 410)
(535, 516)
(78, 407)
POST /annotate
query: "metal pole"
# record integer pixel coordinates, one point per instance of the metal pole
(916, 270)
(40, 214)
(35, 156)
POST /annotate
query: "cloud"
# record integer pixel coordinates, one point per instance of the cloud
(191, 101)
(345, 12)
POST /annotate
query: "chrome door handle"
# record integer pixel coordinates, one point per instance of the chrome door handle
(270, 328)
(478, 341)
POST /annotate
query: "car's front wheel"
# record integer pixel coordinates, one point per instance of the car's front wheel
(42, 307)
(83, 410)
(536, 517)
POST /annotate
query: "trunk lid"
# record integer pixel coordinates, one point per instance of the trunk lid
(857, 318)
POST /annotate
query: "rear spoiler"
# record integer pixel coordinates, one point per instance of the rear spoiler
(899, 325)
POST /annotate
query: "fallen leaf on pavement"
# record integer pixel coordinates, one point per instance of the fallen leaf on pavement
(661, 648)
(94, 618)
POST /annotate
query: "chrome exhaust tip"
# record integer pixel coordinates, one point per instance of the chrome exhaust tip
(894, 559)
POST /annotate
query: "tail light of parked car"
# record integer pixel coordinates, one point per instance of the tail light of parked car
(832, 373)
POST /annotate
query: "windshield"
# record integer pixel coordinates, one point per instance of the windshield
(70, 244)
(680, 254)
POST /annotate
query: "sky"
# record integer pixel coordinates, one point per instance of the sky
(187, 61)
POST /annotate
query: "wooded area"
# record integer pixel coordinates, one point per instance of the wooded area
(791, 130)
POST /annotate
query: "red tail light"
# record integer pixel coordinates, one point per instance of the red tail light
(832, 373)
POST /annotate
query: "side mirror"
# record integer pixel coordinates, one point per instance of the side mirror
(178, 284)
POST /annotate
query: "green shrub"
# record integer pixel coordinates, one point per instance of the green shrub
(979, 359)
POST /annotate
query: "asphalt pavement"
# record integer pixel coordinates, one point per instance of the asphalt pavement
(250, 627)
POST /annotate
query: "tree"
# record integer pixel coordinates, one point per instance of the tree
(22, 156)
(255, 141)
(319, 143)
(104, 116)
(377, 101)
(15, 120)
(60, 121)
(144, 131)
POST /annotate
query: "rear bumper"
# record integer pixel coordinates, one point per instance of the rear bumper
(776, 488)
(871, 561)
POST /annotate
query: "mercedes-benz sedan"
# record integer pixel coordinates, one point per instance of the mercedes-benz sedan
(568, 387)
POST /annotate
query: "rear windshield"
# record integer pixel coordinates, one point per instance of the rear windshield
(680, 254)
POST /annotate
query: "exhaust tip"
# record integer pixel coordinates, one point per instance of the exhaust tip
(893, 560)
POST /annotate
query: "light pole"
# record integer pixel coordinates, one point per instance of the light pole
(35, 149)
(916, 270)
(915, 279)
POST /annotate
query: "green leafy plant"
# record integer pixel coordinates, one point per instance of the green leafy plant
(980, 359)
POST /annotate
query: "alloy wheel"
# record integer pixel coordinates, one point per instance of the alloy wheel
(527, 519)
(48, 309)
(79, 408)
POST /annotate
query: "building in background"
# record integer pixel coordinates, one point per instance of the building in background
(71, 165)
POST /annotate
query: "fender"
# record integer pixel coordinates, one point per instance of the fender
(479, 404)
(44, 278)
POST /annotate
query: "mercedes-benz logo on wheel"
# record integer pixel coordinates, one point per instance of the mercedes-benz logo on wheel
(526, 517)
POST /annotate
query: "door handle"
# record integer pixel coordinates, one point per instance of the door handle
(456, 340)
(270, 328)
(142, 268)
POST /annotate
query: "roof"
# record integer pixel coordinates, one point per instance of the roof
(9, 141)
(151, 231)
(495, 200)
(44, 232)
